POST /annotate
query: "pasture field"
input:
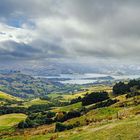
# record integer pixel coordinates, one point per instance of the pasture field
(36, 101)
(8, 121)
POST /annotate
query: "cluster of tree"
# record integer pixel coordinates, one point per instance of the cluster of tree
(40, 107)
(8, 110)
(132, 94)
(94, 97)
(32, 109)
(36, 119)
(63, 116)
(123, 88)
(76, 100)
(105, 103)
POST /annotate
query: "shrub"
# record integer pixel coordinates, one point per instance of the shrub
(73, 114)
(23, 124)
(50, 114)
(48, 121)
(105, 103)
(132, 94)
(60, 127)
(76, 100)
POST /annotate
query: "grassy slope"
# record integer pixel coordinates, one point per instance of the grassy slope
(35, 102)
(69, 107)
(127, 129)
(6, 96)
(8, 121)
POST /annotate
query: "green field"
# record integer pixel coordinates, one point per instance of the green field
(69, 107)
(36, 101)
(8, 121)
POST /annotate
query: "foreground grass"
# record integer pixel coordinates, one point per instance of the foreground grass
(127, 129)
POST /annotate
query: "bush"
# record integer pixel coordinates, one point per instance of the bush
(63, 116)
(132, 94)
(60, 117)
(50, 114)
(73, 114)
(26, 124)
(106, 103)
(23, 124)
(103, 104)
(76, 100)
(48, 121)
(60, 127)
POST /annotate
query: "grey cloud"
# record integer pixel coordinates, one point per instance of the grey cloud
(14, 50)
(75, 28)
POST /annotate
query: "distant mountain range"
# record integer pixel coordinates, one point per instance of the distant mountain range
(56, 68)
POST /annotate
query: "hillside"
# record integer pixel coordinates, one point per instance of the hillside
(36, 101)
(25, 86)
(96, 113)
(8, 121)
(6, 98)
(103, 124)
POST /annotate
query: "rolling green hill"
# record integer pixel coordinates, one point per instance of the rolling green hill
(26, 86)
(6, 98)
(36, 101)
(75, 121)
(119, 130)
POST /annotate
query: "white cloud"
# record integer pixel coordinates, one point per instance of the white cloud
(73, 28)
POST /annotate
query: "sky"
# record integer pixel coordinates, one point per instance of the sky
(84, 31)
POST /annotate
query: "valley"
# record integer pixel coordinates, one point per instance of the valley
(69, 70)
(94, 111)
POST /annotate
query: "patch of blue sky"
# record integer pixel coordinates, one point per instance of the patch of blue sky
(19, 22)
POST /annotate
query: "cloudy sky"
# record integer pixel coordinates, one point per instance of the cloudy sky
(67, 30)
